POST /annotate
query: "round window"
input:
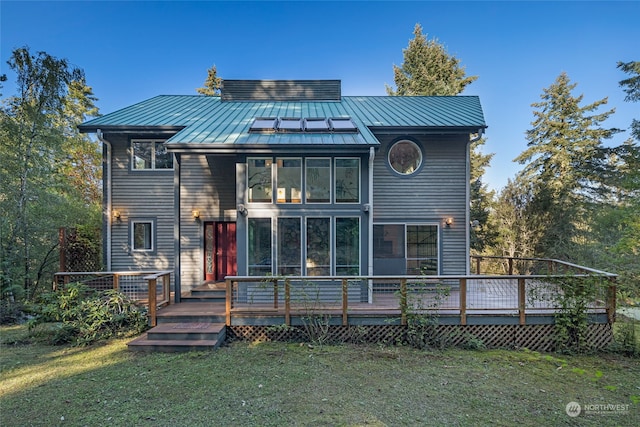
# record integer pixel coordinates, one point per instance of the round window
(405, 157)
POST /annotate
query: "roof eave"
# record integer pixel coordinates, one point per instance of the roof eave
(130, 129)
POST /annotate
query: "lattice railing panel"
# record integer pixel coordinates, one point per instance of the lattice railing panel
(533, 337)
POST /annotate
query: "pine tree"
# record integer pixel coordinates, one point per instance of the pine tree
(428, 69)
(212, 84)
(562, 161)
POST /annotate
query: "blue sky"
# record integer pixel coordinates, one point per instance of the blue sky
(134, 50)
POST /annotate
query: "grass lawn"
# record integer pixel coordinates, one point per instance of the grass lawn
(280, 384)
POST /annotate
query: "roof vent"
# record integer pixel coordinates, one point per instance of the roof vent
(281, 90)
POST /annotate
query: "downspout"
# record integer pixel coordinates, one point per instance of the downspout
(468, 201)
(372, 156)
(107, 203)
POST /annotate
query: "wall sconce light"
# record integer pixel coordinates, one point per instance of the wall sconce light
(242, 210)
(366, 207)
(448, 222)
(116, 215)
(195, 213)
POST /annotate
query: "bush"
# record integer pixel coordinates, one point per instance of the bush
(83, 316)
(10, 312)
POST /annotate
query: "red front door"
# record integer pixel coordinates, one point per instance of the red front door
(219, 250)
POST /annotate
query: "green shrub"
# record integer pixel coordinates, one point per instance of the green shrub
(83, 316)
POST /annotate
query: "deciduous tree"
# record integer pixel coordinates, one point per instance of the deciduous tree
(36, 144)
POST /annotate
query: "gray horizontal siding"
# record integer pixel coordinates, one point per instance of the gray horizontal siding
(435, 192)
(207, 184)
(140, 195)
(281, 90)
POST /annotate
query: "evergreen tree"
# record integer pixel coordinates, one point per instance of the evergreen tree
(428, 69)
(564, 154)
(212, 84)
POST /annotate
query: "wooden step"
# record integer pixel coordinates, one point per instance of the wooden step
(208, 312)
(179, 337)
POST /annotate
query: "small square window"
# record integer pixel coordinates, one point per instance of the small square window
(150, 155)
(142, 235)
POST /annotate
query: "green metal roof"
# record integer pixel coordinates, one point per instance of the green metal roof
(207, 120)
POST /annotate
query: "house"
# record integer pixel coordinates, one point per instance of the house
(278, 177)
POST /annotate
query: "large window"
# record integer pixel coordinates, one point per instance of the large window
(319, 184)
(142, 235)
(289, 247)
(405, 249)
(150, 154)
(259, 180)
(347, 183)
(347, 246)
(259, 246)
(318, 176)
(318, 245)
(289, 173)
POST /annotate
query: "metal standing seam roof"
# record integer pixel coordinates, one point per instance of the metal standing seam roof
(207, 120)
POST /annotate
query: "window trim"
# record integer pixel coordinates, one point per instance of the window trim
(410, 141)
(153, 168)
(153, 231)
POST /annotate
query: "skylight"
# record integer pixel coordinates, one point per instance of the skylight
(316, 125)
(307, 124)
(290, 125)
(342, 124)
(264, 124)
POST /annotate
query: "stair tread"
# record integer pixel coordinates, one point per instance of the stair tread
(144, 341)
(181, 328)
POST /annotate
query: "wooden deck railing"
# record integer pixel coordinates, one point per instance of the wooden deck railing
(510, 295)
(141, 286)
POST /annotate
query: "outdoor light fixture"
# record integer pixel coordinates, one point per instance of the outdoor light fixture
(448, 222)
(242, 210)
(116, 214)
(195, 213)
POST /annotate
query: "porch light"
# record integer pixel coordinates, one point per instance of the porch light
(448, 222)
(242, 210)
(195, 213)
(116, 214)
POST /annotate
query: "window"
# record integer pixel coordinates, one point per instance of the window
(347, 181)
(289, 180)
(149, 155)
(318, 244)
(347, 246)
(422, 249)
(259, 180)
(142, 235)
(318, 185)
(405, 157)
(405, 249)
(289, 246)
(259, 245)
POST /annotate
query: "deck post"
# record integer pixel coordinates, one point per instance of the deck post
(510, 266)
(521, 301)
(152, 301)
(611, 300)
(287, 302)
(403, 302)
(345, 302)
(275, 293)
(478, 260)
(116, 281)
(463, 301)
(228, 293)
(166, 288)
